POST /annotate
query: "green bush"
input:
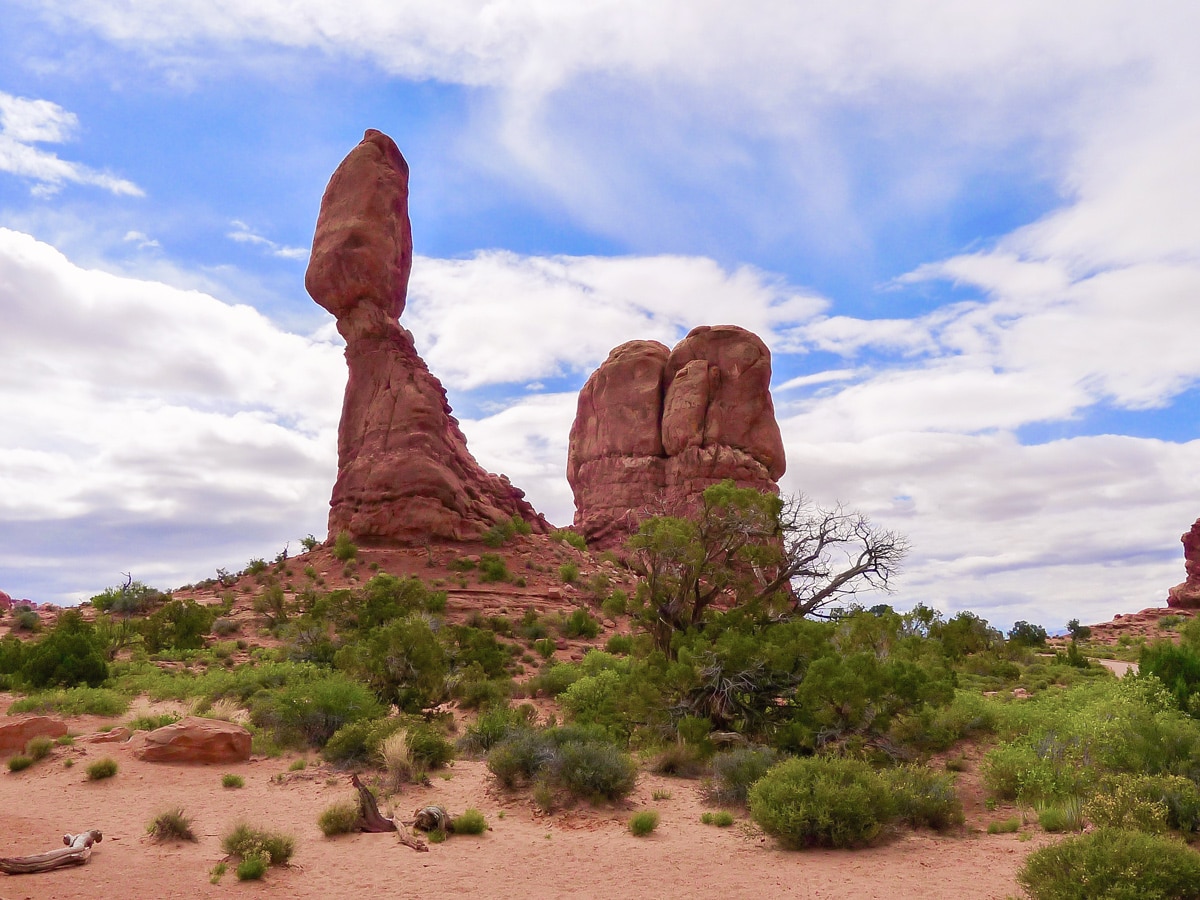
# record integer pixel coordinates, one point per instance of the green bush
(428, 747)
(596, 770)
(924, 798)
(39, 747)
(470, 822)
(642, 823)
(358, 742)
(1066, 815)
(733, 773)
(171, 825)
(619, 643)
(1004, 826)
(102, 768)
(572, 758)
(338, 818)
(492, 726)
(492, 568)
(179, 625)
(19, 763)
(573, 538)
(615, 604)
(70, 654)
(1024, 634)
(581, 624)
(252, 867)
(344, 548)
(233, 781)
(569, 572)
(403, 662)
(821, 802)
(312, 711)
(1123, 802)
(245, 841)
(1109, 863)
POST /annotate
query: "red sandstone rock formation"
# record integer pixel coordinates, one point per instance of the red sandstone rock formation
(1187, 594)
(197, 740)
(653, 429)
(404, 472)
(15, 732)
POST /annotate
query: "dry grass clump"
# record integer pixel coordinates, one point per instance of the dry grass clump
(397, 759)
(339, 818)
(171, 825)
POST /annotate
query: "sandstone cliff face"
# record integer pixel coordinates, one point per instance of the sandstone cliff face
(1187, 594)
(404, 472)
(654, 428)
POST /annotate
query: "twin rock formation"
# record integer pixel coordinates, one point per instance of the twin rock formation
(654, 426)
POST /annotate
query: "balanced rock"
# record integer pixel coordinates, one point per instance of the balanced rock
(16, 731)
(197, 740)
(404, 471)
(654, 428)
(1187, 594)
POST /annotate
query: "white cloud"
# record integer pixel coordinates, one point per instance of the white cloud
(244, 234)
(501, 318)
(156, 412)
(25, 122)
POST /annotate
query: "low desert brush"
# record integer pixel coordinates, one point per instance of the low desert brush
(233, 781)
(101, 769)
(171, 825)
(339, 818)
(39, 747)
(644, 822)
(470, 822)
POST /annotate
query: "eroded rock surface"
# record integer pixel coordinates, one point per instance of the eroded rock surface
(654, 428)
(197, 740)
(15, 731)
(1187, 594)
(404, 472)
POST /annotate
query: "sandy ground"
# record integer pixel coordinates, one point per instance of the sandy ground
(585, 852)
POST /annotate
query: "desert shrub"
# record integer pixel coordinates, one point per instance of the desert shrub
(492, 726)
(78, 701)
(474, 693)
(178, 625)
(619, 643)
(933, 729)
(397, 759)
(150, 723)
(545, 647)
(70, 654)
(403, 662)
(387, 597)
(428, 747)
(493, 568)
(338, 818)
(615, 604)
(344, 548)
(312, 711)
(519, 757)
(252, 867)
(470, 822)
(573, 538)
(722, 819)
(1177, 666)
(233, 781)
(569, 572)
(19, 763)
(594, 700)
(556, 679)
(358, 742)
(733, 773)
(1066, 815)
(678, 761)
(821, 802)
(596, 769)
(245, 841)
(580, 624)
(1024, 634)
(171, 825)
(1127, 802)
(1004, 826)
(101, 769)
(924, 798)
(642, 823)
(1109, 863)
(39, 747)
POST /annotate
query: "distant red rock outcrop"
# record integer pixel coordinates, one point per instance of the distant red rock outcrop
(404, 472)
(1187, 594)
(197, 740)
(654, 428)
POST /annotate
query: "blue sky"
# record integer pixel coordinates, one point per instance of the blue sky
(967, 231)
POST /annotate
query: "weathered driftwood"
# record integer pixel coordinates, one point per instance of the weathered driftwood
(77, 852)
(370, 819)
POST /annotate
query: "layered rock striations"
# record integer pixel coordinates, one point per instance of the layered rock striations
(405, 474)
(1187, 594)
(654, 427)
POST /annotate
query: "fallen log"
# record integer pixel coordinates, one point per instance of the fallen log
(371, 820)
(77, 852)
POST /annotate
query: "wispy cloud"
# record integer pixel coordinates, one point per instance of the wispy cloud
(25, 122)
(244, 234)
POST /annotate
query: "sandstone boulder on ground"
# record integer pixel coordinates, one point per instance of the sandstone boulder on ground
(197, 740)
(1186, 595)
(404, 471)
(654, 428)
(15, 731)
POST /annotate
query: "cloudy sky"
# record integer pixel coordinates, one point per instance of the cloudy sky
(969, 232)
